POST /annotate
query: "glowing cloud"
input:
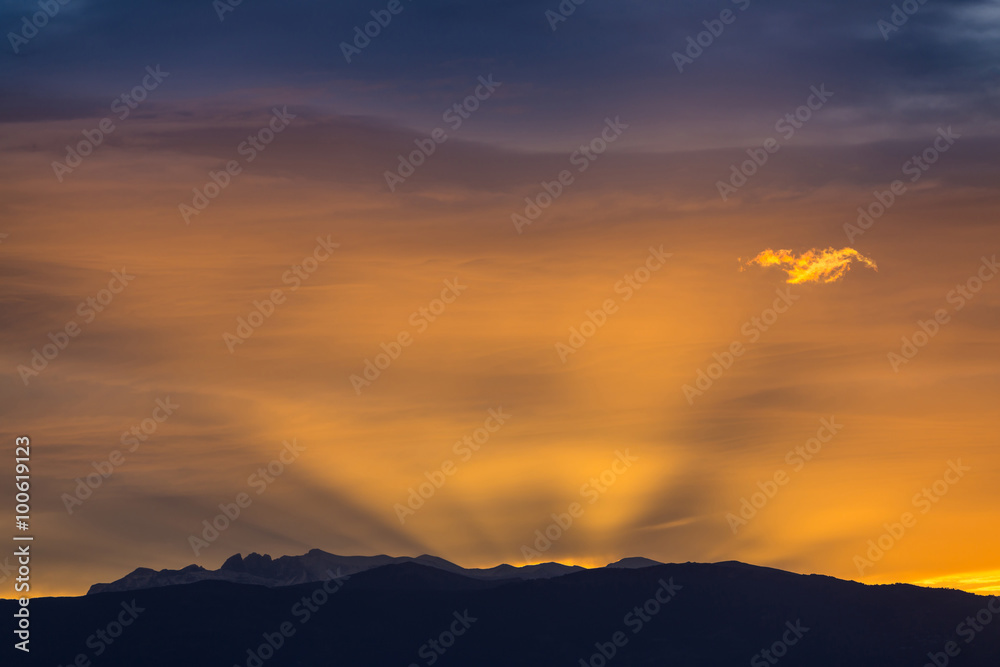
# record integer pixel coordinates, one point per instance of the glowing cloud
(827, 266)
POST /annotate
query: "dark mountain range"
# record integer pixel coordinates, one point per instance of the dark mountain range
(313, 566)
(410, 613)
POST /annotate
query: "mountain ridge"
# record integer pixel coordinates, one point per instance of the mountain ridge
(697, 614)
(312, 566)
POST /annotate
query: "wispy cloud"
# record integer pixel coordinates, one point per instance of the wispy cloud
(812, 266)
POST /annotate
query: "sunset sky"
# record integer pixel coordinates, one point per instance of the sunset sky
(643, 304)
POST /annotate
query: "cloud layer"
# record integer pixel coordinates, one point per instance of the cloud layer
(496, 345)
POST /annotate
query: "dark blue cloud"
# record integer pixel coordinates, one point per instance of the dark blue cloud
(606, 58)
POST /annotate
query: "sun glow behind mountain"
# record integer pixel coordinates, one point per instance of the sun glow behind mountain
(579, 275)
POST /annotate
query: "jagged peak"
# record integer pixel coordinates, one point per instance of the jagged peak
(256, 556)
(234, 564)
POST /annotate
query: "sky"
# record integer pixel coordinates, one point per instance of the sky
(694, 281)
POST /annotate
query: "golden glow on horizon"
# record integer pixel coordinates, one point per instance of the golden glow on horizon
(981, 583)
(814, 265)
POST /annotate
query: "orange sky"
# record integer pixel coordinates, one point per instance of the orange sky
(493, 347)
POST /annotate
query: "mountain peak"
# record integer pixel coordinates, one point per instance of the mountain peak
(633, 563)
(233, 564)
(255, 557)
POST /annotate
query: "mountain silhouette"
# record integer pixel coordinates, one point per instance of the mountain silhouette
(426, 611)
(262, 570)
